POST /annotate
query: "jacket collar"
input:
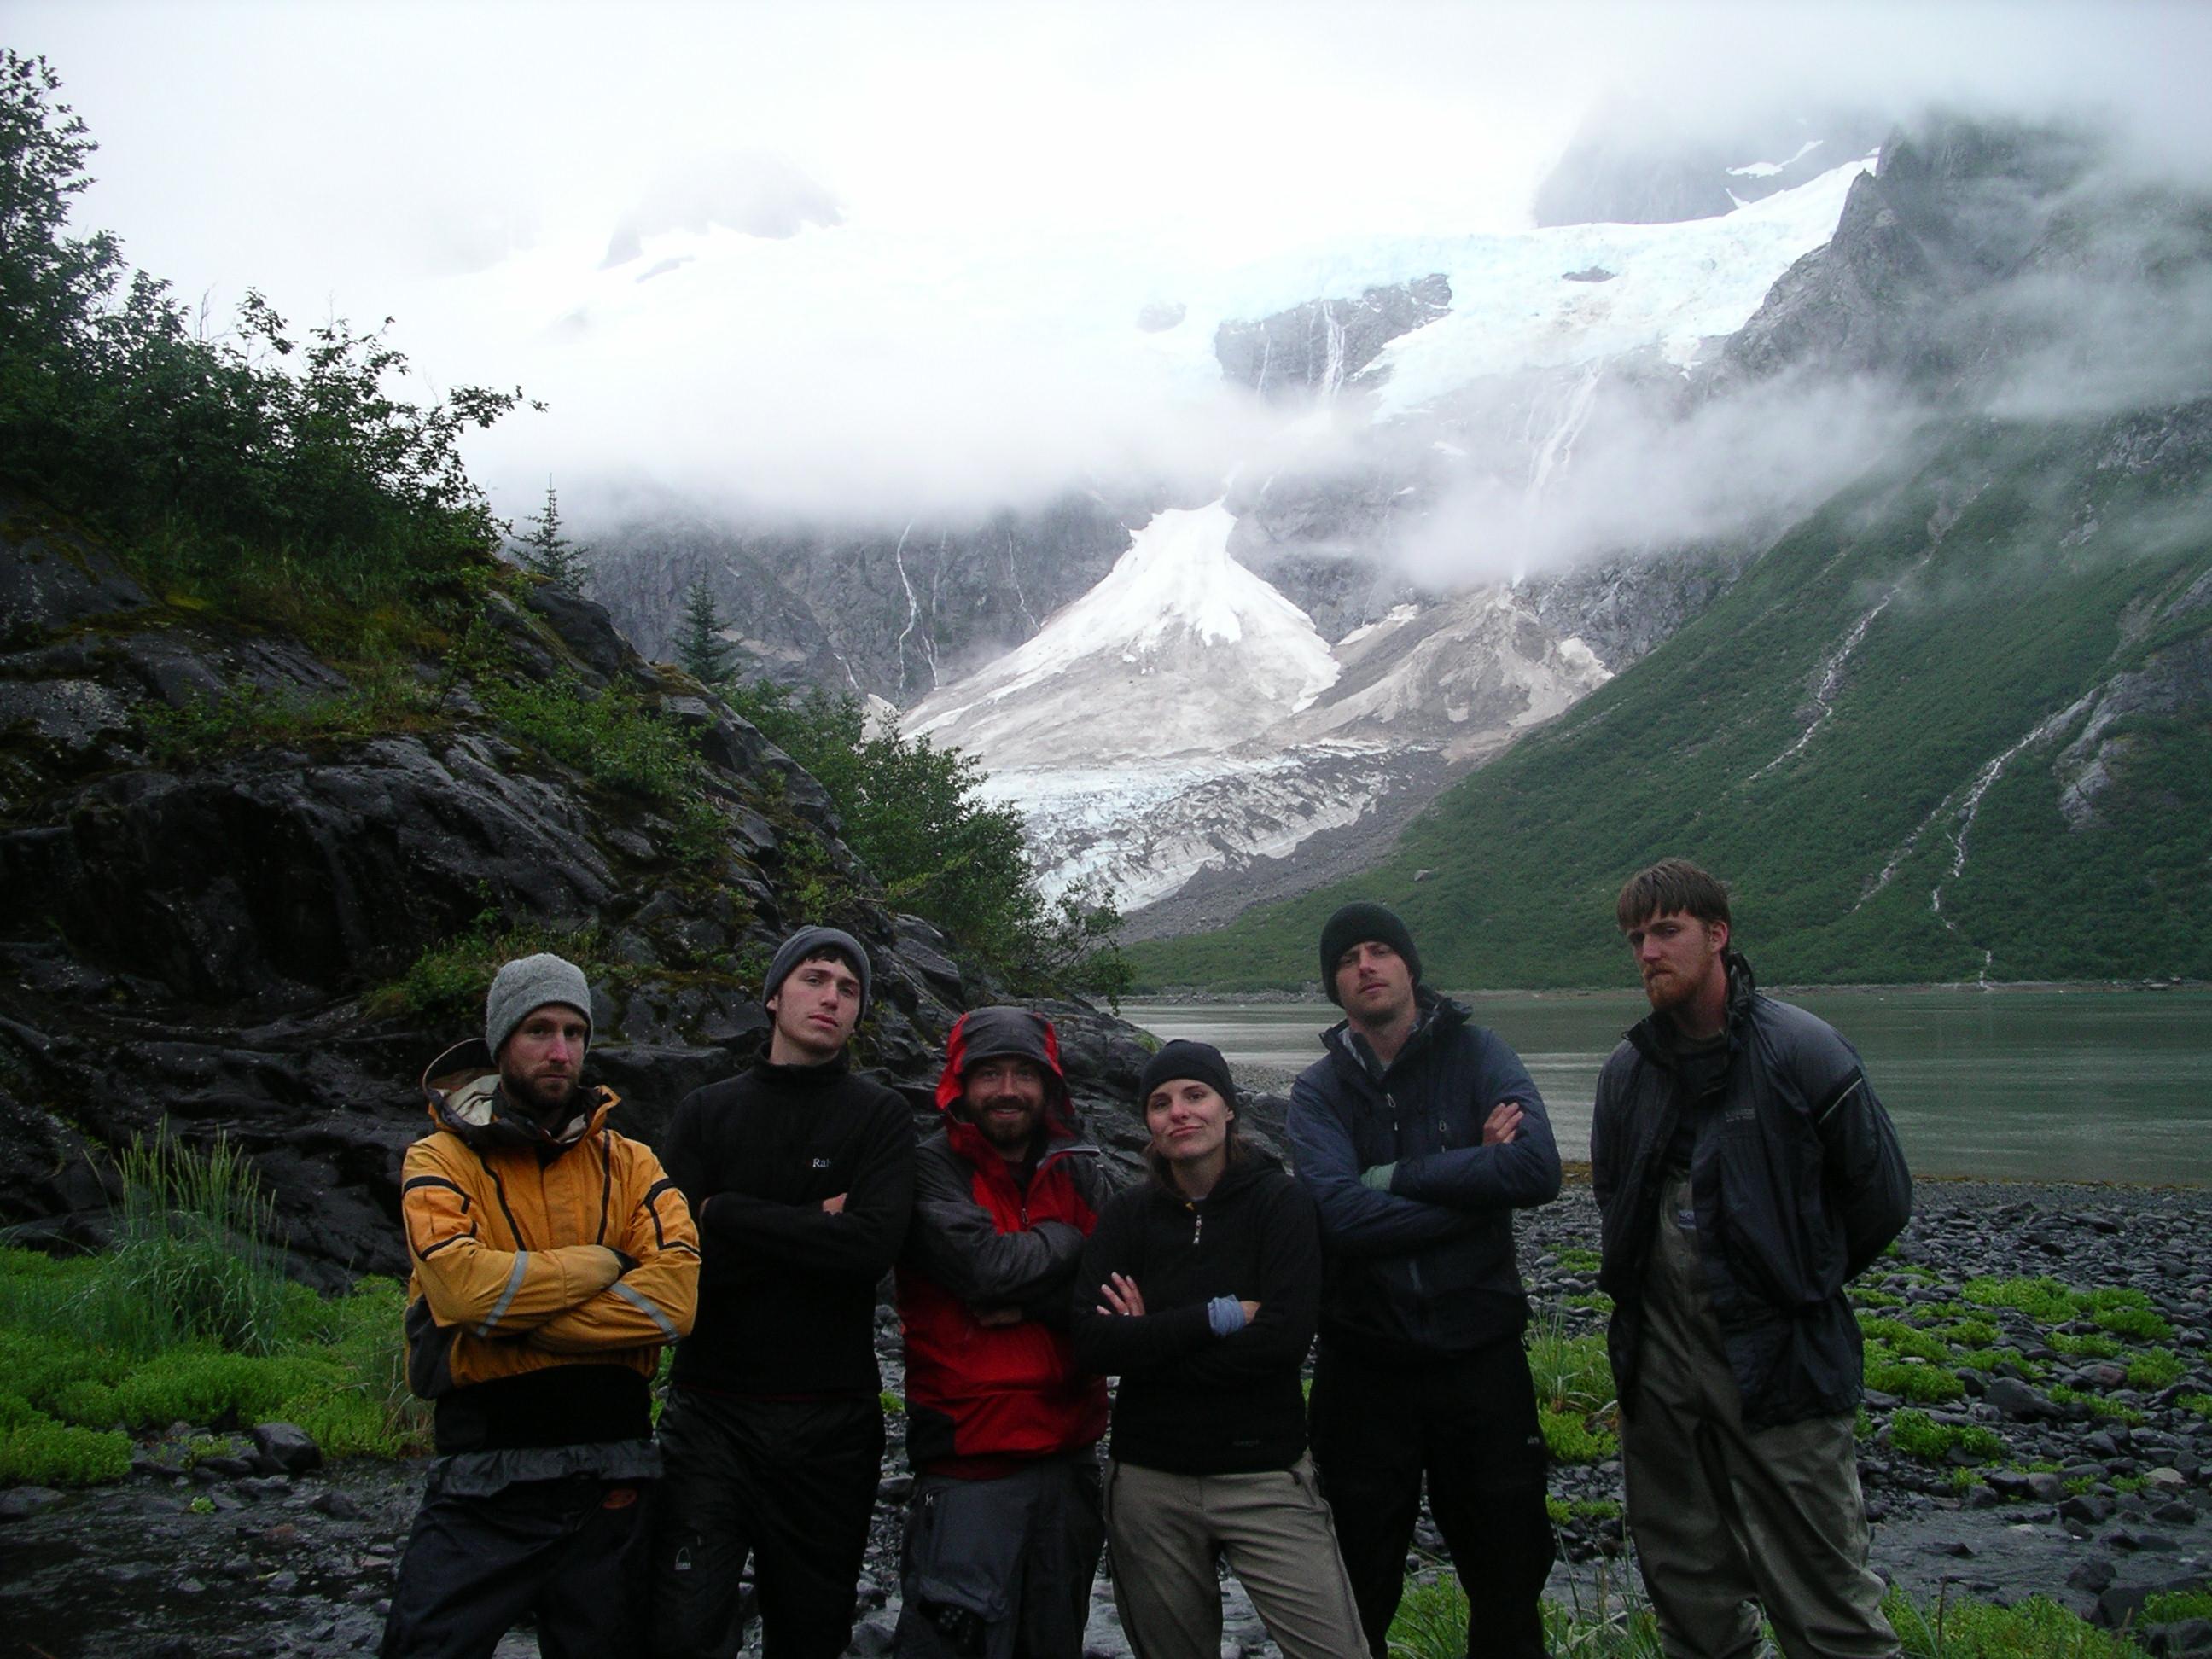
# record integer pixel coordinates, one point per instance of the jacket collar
(1655, 1039)
(1432, 1013)
(461, 1089)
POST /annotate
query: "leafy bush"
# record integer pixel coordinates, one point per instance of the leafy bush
(2154, 1368)
(1919, 1435)
(41, 1452)
(1910, 1379)
(2044, 1300)
(610, 737)
(261, 465)
(915, 815)
(2199, 1403)
(453, 977)
(2084, 1347)
(2096, 1405)
(1573, 1438)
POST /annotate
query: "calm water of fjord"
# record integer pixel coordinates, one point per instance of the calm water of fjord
(2027, 1084)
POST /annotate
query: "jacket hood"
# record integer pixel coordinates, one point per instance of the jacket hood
(461, 1090)
(991, 1033)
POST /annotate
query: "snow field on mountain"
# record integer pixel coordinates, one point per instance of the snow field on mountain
(1180, 649)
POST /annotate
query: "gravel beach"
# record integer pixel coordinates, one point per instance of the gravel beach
(2021, 1449)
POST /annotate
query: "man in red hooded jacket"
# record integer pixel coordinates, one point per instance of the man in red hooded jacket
(1003, 1531)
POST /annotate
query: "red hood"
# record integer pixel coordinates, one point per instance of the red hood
(987, 1033)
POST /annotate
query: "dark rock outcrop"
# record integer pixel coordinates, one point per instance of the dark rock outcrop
(1635, 164)
(1314, 349)
(265, 933)
(891, 612)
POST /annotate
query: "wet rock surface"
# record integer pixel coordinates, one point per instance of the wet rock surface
(216, 1555)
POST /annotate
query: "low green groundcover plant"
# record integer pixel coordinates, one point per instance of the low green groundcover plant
(1612, 1621)
(189, 1318)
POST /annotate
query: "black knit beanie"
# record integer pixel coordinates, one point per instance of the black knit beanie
(812, 941)
(1355, 924)
(1184, 1059)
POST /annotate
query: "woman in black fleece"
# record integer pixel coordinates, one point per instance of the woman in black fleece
(1200, 1290)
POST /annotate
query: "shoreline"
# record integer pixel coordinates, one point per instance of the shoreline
(1199, 996)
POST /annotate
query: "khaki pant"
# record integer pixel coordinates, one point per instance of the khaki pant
(1724, 1514)
(1168, 1531)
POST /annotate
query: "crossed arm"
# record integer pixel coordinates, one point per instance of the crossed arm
(638, 1289)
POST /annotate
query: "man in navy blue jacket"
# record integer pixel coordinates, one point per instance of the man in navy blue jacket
(1419, 1134)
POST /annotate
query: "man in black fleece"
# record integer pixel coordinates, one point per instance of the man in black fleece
(800, 1176)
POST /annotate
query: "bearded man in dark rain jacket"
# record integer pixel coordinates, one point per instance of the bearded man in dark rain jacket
(1004, 1528)
(1744, 1172)
(1418, 1135)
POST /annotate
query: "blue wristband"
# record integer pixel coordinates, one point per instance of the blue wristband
(1226, 1315)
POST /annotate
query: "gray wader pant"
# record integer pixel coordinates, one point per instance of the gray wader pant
(1725, 1515)
(1001, 1568)
(1170, 1530)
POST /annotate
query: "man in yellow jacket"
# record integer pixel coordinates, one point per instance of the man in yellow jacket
(553, 1261)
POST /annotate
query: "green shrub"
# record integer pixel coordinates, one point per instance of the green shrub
(2199, 1403)
(1573, 1438)
(1902, 1338)
(41, 1452)
(610, 737)
(2097, 1404)
(451, 978)
(2136, 1324)
(2084, 1347)
(1869, 1297)
(2154, 1368)
(1578, 1258)
(1966, 1333)
(199, 1383)
(2044, 1300)
(87, 1403)
(1919, 1435)
(1910, 1379)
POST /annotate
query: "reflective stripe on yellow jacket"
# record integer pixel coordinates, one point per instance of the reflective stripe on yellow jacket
(515, 1253)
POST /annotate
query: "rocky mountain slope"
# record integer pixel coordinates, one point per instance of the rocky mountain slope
(250, 894)
(1425, 396)
(1956, 720)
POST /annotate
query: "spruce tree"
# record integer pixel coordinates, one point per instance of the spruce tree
(700, 647)
(546, 552)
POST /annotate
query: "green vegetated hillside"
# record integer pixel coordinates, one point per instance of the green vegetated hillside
(2003, 657)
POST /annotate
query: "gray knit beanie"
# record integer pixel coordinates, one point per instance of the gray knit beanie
(524, 986)
(813, 941)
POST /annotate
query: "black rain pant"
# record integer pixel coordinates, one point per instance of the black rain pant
(1468, 1423)
(570, 1552)
(791, 1483)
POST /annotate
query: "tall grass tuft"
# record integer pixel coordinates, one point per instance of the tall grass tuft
(198, 1254)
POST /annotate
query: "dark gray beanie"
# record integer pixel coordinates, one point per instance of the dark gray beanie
(812, 941)
(1355, 924)
(528, 984)
(1185, 1058)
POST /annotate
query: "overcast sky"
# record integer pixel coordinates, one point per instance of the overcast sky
(905, 206)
